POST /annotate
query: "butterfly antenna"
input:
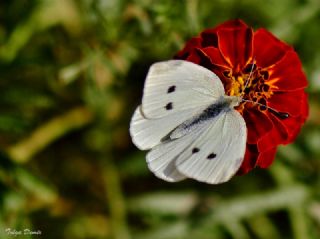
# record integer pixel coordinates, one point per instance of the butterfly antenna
(282, 115)
(250, 75)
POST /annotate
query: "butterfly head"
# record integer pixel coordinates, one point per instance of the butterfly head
(233, 101)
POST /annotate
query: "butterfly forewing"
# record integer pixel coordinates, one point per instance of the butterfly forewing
(174, 92)
(177, 85)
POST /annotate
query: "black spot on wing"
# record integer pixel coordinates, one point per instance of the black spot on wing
(195, 150)
(169, 106)
(211, 156)
(171, 89)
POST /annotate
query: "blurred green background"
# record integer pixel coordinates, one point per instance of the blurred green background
(71, 75)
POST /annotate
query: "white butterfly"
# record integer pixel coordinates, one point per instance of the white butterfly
(189, 124)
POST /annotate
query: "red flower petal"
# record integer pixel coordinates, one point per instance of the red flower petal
(258, 125)
(215, 56)
(191, 44)
(210, 37)
(236, 46)
(285, 130)
(293, 101)
(237, 23)
(250, 159)
(266, 158)
(279, 134)
(287, 75)
(268, 50)
(293, 126)
(231, 24)
(194, 57)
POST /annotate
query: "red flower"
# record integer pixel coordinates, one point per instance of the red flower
(237, 54)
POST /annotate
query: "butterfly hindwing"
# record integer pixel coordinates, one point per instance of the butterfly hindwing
(178, 85)
(162, 158)
(216, 155)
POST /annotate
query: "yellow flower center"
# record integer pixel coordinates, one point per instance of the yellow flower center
(251, 85)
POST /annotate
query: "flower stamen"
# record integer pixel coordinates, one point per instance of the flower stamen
(250, 84)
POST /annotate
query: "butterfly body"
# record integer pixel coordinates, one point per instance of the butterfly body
(189, 124)
(223, 104)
